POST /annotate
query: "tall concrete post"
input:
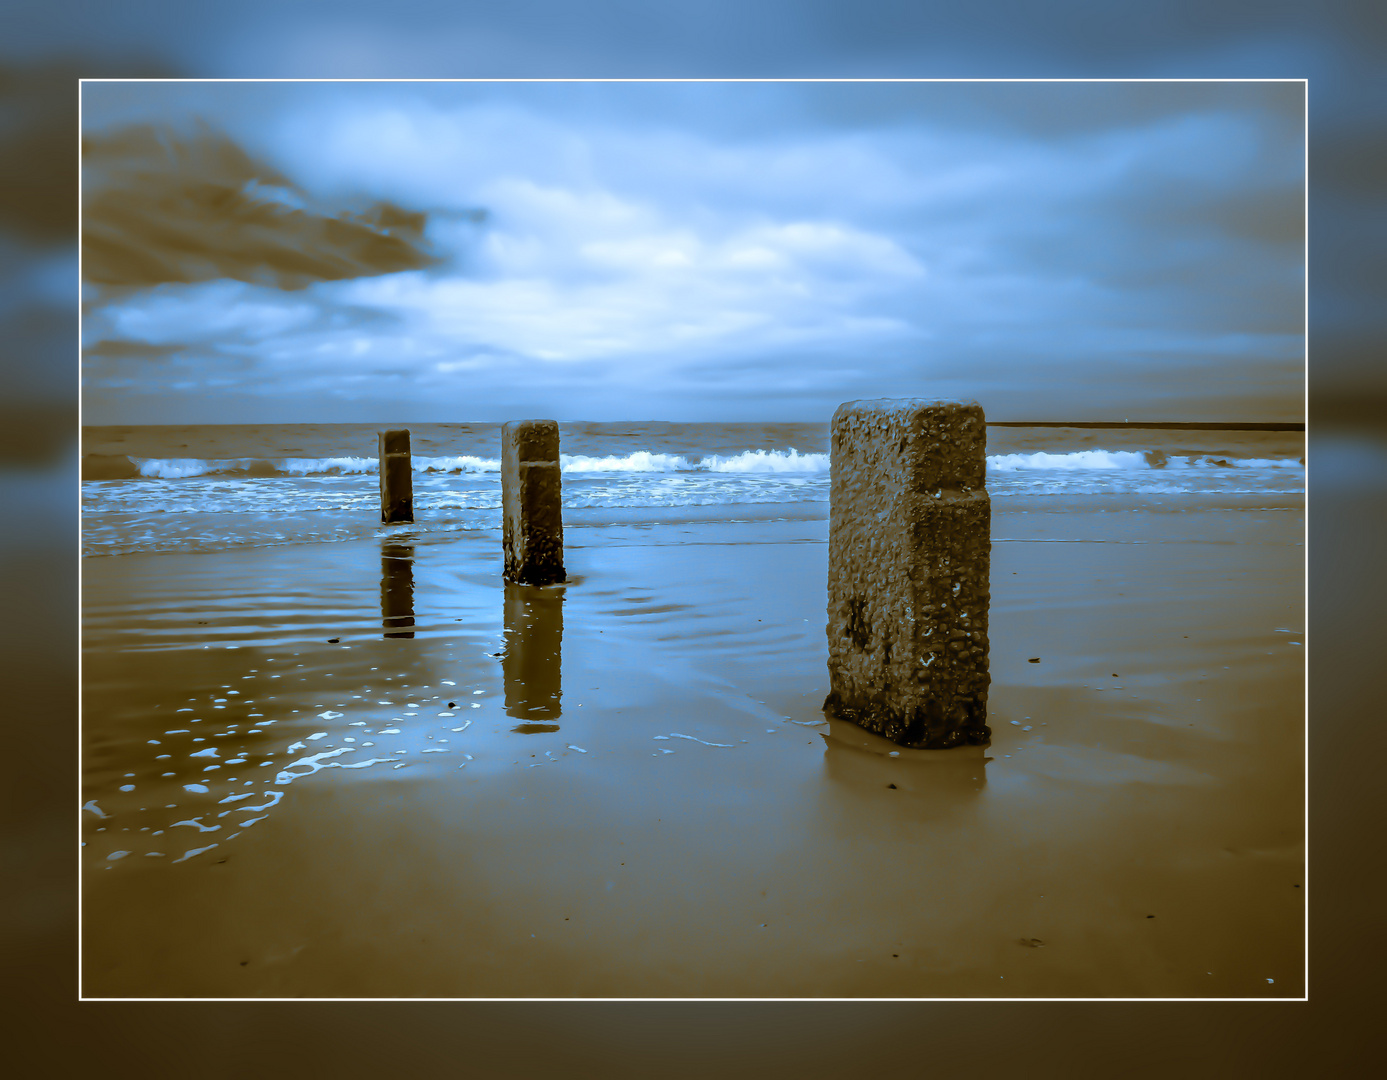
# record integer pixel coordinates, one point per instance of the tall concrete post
(396, 477)
(908, 570)
(531, 502)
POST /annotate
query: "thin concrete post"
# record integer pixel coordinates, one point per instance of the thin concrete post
(908, 569)
(396, 477)
(531, 502)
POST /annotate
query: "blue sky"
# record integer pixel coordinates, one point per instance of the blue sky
(699, 251)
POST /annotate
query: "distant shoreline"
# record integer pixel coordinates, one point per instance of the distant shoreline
(1168, 424)
(1220, 425)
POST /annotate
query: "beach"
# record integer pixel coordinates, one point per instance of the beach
(625, 786)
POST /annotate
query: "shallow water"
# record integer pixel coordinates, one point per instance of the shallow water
(205, 488)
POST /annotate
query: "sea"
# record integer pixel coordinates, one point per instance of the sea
(155, 488)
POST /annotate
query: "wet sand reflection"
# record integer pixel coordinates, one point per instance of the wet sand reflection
(934, 782)
(532, 661)
(397, 589)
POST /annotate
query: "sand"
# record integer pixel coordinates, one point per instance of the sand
(693, 828)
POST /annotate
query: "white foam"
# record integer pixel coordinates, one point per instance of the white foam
(191, 852)
(330, 466)
(461, 463)
(749, 461)
(1130, 459)
(676, 735)
(773, 461)
(314, 763)
(273, 796)
(1078, 459)
(639, 461)
(198, 825)
(172, 468)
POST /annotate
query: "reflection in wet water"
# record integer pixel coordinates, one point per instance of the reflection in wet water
(397, 589)
(533, 655)
(861, 760)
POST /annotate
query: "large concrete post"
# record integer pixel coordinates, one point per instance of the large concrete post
(531, 502)
(396, 477)
(908, 553)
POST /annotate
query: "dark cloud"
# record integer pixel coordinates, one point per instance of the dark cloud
(120, 350)
(163, 206)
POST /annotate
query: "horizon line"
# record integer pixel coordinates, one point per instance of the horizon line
(1188, 425)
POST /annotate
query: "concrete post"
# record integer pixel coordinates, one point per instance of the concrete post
(908, 558)
(531, 502)
(396, 477)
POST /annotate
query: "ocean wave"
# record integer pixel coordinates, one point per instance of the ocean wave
(112, 467)
(775, 461)
(462, 463)
(641, 461)
(1130, 459)
(749, 462)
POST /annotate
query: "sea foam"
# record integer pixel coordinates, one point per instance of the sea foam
(639, 461)
(749, 462)
(1129, 459)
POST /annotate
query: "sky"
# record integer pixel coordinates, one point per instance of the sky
(339, 251)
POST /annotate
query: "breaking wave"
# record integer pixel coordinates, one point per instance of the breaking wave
(1131, 459)
(750, 462)
(108, 467)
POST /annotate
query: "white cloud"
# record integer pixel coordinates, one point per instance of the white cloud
(228, 311)
(658, 258)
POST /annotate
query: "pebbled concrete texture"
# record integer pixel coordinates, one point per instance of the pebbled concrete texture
(531, 502)
(396, 476)
(908, 570)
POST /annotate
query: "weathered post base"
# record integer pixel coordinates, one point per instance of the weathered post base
(531, 502)
(396, 477)
(909, 552)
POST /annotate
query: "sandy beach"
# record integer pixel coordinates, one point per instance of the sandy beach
(625, 787)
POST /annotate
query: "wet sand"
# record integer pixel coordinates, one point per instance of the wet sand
(643, 799)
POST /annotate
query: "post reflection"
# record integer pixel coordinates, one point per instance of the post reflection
(927, 782)
(397, 589)
(532, 660)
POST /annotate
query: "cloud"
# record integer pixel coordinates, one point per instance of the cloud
(638, 260)
(160, 206)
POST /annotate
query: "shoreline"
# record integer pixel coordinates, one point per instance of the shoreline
(209, 532)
